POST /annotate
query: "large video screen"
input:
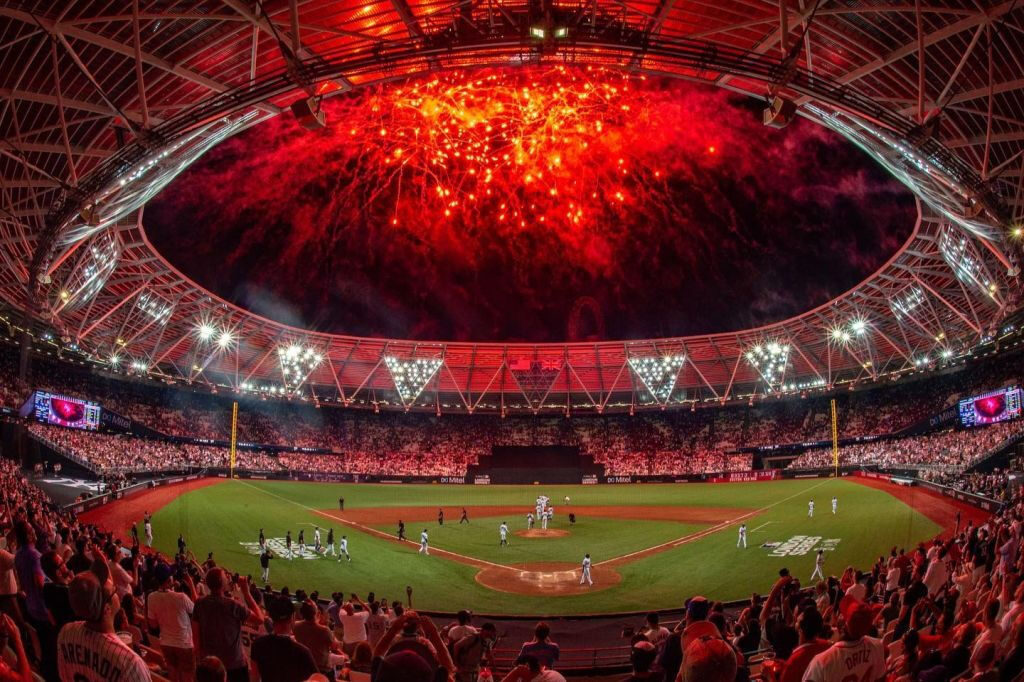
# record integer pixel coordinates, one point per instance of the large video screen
(990, 408)
(64, 410)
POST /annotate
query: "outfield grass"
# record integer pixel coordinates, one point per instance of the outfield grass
(217, 518)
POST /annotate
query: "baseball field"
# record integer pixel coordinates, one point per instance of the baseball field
(652, 546)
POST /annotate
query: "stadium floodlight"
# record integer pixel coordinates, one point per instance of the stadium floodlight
(155, 306)
(411, 376)
(297, 363)
(859, 326)
(206, 331)
(115, 360)
(770, 359)
(658, 374)
(225, 339)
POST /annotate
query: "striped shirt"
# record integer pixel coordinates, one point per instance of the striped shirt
(84, 655)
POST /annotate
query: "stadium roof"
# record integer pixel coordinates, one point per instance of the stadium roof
(104, 102)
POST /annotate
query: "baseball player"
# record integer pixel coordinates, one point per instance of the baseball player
(819, 563)
(585, 578)
(265, 557)
(440, 516)
(316, 539)
(401, 530)
(343, 548)
(551, 513)
(302, 541)
(529, 521)
(539, 509)
(424, 549)
(464, 518)
(742, 539)
(503, 531)
(567, 499)
(288, 544)
(147, 523)
(262, 541)
(544, 520)
(835, 504)
(330, 543)
(810, 509)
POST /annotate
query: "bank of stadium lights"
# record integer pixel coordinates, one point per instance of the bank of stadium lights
(205, 331)
(658, 374)
(411, 376)
(297, 363)
(907, 301)
(856, 328)
(770, 360)
(155, 307)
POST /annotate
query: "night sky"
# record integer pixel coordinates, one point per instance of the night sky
(485, 206)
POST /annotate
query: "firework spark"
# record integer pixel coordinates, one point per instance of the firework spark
(432, 208)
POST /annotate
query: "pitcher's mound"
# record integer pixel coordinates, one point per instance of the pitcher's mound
(554, 578)
(542, 533)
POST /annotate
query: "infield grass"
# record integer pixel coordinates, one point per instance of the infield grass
(220, 517)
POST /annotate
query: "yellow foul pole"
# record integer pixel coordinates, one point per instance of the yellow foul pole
(234, 433)
(835, 439)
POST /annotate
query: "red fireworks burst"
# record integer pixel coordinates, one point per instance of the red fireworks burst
(559, 147)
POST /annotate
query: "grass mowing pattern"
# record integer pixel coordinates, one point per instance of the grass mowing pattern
(219, 517)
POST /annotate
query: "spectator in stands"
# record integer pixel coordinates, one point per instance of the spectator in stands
(84, 643)
(541, 647)
(529, 669)
(809, 625)
(278, 657)
(171, 611)
(315, 636)
(708, 659)
(855, 655)
(217, 622)
(210, 669)
(655, 633)
(642, 656)
(470, 652)
(55, 591)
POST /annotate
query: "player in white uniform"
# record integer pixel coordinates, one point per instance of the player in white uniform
(503, 531)
(819, 563)
(343, 548)
(810, 509)
(742, 539)
(149, 530)
(544, 520)
(835, 504)
(529, 521)
(567, 499)
(316, 539)
(424, 549)
(585, 577)
(551, 513)
(539, 510)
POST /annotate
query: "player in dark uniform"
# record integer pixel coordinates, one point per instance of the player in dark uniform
(265, 557)
(288, 543)
(465, 517)
(341, 504)
(302, 540)
(263, 539)
(401, 529)
(440, 516)
(135, 534)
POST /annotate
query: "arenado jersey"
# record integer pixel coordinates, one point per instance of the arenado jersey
(84, 655)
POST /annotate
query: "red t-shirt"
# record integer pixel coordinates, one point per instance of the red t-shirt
(796, 664)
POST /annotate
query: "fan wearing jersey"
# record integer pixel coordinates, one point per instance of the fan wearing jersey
(89, 650)
(855, 656)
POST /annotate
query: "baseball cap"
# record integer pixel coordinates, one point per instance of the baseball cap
(162, 572)
(708, 659)
(87, 596)
(697, 608)
(857, 615)
(404, 666)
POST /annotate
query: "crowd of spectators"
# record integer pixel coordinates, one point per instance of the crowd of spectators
(79, 605)
(191, 411)
(998, 484)
(952, 450)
